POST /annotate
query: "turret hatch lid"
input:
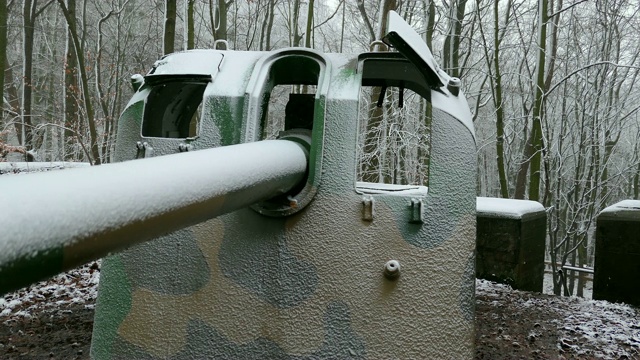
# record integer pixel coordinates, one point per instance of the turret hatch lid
(407, 41)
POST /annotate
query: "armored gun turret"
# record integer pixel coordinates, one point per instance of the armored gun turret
(308, 246)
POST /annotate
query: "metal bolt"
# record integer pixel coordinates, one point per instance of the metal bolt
(139, 145)
(184, 147)
(392, 269)
(293, 202)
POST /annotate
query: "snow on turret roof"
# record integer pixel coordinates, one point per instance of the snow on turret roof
(189, 62)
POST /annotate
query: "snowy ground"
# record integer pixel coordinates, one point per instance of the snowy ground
(53, 320)
(78, 286)
(550, 327)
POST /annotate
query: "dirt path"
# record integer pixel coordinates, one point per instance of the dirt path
(53, 320)
(522, 325)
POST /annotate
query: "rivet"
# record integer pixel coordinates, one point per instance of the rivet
(392, 269)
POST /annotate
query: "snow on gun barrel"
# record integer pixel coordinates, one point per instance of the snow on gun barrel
(56, 221)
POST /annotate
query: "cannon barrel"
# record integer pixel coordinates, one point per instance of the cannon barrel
(55, 221)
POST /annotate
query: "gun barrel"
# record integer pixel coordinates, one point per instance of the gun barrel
(51, 222)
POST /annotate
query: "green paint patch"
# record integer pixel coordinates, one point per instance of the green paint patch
(349, 70)
(113, 305)
(227, 115)
(133, 114)
(317, 133)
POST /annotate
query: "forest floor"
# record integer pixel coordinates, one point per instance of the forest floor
(53, 320)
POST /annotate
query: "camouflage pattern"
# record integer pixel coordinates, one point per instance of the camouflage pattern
(310, 284)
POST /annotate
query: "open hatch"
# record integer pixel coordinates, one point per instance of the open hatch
(403, 38)
(395, 114)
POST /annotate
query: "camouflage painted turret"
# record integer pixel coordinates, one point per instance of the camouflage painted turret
(359, 260)
(311, 280)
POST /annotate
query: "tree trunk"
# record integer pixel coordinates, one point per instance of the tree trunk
(263, 28)
(431, 24)
(370, 169)
(582, 260)
(3, 52)
(451, 51)
(169, 26)
(190, 25)
(221, 29)
(536, 131)
(71, 90)
(502, 174)
(95, 152)
(385, 7)
(272, 7)
(307, 40)
(423, 153)
(13, 98)
(28, 20)
(365, 19)
(102, 98)
(344, 7)
(294, 35)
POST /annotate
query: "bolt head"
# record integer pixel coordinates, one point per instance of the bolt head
(392, 269)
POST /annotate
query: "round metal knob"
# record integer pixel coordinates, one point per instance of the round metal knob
(392, 269)
(454, 86)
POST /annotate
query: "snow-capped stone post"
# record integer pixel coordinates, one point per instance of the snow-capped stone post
(617, 253)
(511, 237)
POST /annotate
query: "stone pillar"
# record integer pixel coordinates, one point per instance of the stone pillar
(617, 256)
(510, 242)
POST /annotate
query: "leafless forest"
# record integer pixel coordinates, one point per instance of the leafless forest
(552, 85)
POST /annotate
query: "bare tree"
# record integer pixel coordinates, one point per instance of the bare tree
(71, 89)
(86, 96)
(169, 26)
(218, 14)
(30, 12)
(495, 78)
(451, 53)
(3, 52)
(190, 24)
